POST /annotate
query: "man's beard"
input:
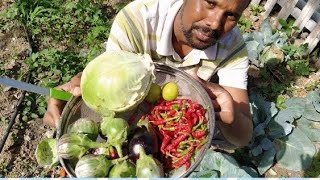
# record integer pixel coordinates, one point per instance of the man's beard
(201, 45)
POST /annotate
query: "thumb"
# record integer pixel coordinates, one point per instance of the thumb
(225, 116)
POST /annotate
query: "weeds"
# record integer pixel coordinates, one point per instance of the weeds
(256, 9)
(244, 24)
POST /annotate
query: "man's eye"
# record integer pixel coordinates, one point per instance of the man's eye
(210, 3)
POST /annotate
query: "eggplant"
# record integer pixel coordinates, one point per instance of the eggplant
(141, 138)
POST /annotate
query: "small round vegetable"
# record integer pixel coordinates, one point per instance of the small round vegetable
(170, 91)
(85, 126)
(141, 138)
(90, 166)
(154, 93)
(147, 166)
(46, 152)
(116, 130)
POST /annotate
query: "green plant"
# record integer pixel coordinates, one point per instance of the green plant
(297, 58)
(3, 169)
(284, 135)
(256, 9)
(121, 5)
(264, 46)
(314, 170)
(244, 24)
(287, 27)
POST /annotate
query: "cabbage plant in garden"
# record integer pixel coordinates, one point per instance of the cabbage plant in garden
(264, 46)
(284, 136)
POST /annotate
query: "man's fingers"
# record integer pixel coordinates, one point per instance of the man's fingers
(227, 116)
(75, 81)
(52, 115)
(216, 106)
(49, 120)
(76, 91)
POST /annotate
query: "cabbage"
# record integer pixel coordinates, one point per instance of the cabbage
(116, 81)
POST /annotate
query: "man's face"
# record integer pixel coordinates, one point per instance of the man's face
(204, 22)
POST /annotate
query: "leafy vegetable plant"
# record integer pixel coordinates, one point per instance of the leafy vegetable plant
(285, 135)
(264, 46)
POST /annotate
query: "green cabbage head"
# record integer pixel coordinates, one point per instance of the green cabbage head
(116, 81)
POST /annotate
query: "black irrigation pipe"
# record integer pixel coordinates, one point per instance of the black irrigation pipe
(17, 107)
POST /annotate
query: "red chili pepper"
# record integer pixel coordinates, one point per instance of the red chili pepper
(182, 161)
(151, 118)
(198, 134)
(194, 120)
(158, 122)
(165, 143)
(177, 101)
(190, 122)
(199, 114)
(183, 128)
(163, 108)
(175, 142)
(158, 116)
(171, 113)
(187, 165)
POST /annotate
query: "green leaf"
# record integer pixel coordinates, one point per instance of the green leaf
(287, 115)
(277, 130)
(266, 29)
(252, 49)
(262, 110)
(295, 152)
(297, 104)
(283, 22)
(204, 174)
(225, 164)
(310, 128)
(315, 98)
(310, 113)
(256, 151)
(266, 161)
(281, 125)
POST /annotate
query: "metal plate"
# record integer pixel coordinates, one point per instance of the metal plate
(188, 88)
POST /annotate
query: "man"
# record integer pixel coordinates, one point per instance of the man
(198, 36)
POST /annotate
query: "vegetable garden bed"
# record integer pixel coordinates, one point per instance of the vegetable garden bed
(64, 38)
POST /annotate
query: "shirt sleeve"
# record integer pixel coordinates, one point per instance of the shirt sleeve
(126, 32)
(233, 69)
(235, 75)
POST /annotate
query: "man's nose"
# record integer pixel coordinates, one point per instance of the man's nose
(215, 19)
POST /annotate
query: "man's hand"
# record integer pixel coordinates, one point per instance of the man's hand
(222, 102)
(55, 107)
(232, 112)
